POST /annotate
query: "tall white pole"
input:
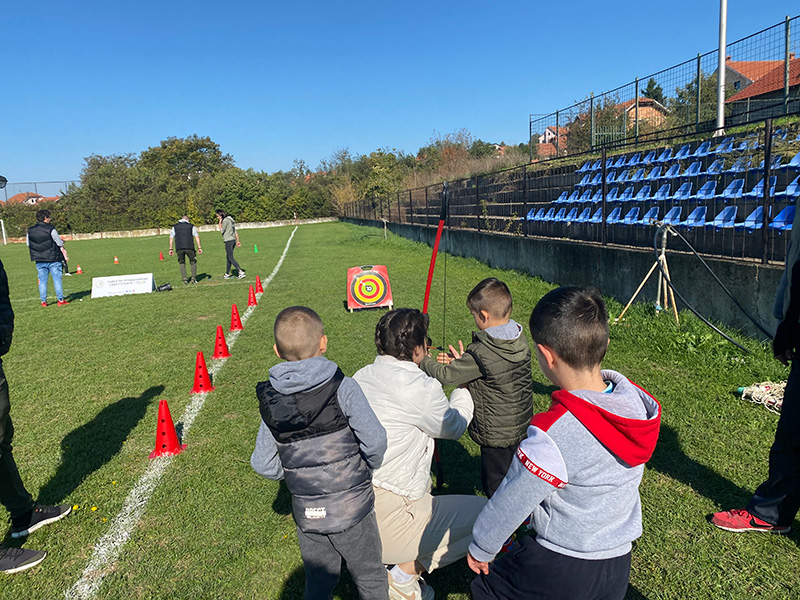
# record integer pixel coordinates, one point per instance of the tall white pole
(723, 29)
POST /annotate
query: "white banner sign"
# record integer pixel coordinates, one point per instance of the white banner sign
(119, 285)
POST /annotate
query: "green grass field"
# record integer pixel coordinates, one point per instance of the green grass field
(85, 381)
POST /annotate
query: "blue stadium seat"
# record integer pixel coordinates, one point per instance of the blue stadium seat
(572, 215)
(638, 176)
(740, 166)
(611, 176)
(537, 216)
(774, 163)
(597, 217)
(620, 162)
(624, 177)
(561, 199)
(792, 165)
(654, 175)
(610, 163)
(696, 218)
(791, 192)
(758, 189)
(587, 166)
(755, 220)
(673, 216)
(649, 217)
(634, 160)
(672, 172)
(614, 216)
(733, 191)
(597, 165)
(585, 196)
(573, 197)
(707, 192)
(630, 218)
(598, 196)
(560, 215)
(649, 158)
(682, 193)
(715, 168)
(597, 179)
(682, 153)
(549, 216)
(612, 195)
(725, 147)
(693, 170)
(585, 215)
(724, 220)
(784, 219)
(749, 143)
(584, 181)
(627, 195)
(665, 156)
(643, 194)
(662, 193)
(702, 151)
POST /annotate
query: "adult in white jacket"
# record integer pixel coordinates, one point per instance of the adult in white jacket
(419, 532)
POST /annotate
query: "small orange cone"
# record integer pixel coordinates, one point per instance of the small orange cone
(236, 322)
(221, 346)
(202, 381)
(79, 271)
(251, 299)
(160, 256)
(166, 436)
(116, 260)
(259, 289)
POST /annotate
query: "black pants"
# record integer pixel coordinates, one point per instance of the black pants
(13, 494)
(494, 466)
(229, 246)
(531, 571)
(183, 254)
(777, 500)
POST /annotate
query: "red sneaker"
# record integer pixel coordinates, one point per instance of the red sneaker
(739, 520)
(44, 303)
(62, 302)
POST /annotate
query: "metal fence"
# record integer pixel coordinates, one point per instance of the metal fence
(30, 191)
(710, 188)
(762, 80)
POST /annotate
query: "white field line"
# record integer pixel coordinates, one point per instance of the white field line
(109, 547)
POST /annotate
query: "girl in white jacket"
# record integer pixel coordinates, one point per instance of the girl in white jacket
(419, 532)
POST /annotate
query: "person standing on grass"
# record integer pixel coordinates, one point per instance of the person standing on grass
(47, 251)
(776, 502)
(26, 515)
(319, 434)
(181, 235)
(231, 240)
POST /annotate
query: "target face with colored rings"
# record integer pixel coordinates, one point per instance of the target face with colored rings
(368, 288)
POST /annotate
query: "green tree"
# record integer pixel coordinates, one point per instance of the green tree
(654, 91)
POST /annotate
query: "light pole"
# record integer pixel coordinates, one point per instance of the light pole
(723, 29)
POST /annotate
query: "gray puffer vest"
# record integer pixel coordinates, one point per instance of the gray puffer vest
(330, 483)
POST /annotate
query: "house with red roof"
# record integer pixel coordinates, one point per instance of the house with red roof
(31, 198)
(770, 86)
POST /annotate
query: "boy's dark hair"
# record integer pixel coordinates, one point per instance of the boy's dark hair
(42, 214)
(491, 295)
(298, 330)
(573, 322)
(221, 213)
(399, 331)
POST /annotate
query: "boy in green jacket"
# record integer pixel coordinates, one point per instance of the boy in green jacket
(496, 369)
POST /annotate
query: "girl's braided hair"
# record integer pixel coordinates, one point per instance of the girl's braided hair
(399, 331)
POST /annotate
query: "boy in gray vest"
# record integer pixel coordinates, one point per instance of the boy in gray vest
(496, 369)
(319, 434)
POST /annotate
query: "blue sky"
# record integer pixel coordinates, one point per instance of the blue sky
(271, 82)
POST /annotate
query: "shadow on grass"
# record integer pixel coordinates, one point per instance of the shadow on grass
(282, 504)
(296, 584)
(461, 470)
(73, 296)
(634, 594)
(87, 448)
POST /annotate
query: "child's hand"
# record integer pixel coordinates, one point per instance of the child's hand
(477, 566)
(457, 353)
(444, 358)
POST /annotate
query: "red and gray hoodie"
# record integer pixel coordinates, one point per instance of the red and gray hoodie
(578, 474)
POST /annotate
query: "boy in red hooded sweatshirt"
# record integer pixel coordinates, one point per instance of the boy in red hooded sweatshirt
(578, 470)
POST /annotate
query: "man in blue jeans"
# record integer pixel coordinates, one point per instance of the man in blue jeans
(47, 251)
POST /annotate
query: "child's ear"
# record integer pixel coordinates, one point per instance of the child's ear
(548, 354)
(484, 316)
(323, 344)
(275, 347)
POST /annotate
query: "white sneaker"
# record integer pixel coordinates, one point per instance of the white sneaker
(226, 276)
(416, 589)
(241, 275)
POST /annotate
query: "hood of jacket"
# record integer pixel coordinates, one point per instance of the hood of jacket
(295, 376)
(626, 421)
(512, 350)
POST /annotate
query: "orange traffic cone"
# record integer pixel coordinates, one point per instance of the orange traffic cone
(166, 436)
(259, 289)
(236, 322)
(160, 256)
(116, 260)
(251, 299)
(221, 347)
(202, 381)
(79, 271)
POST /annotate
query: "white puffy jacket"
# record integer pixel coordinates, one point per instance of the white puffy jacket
(414, 411)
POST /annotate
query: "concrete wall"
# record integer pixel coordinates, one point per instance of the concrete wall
(617, 271)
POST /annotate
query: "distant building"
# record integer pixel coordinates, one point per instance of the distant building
(31, 198)
(770, 86)
(740, 74)
(650, 110)
(552, 142)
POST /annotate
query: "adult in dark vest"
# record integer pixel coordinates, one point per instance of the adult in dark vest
(47, 251)
(181, 236)
(26, 515)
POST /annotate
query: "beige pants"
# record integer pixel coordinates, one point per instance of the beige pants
(435, 530)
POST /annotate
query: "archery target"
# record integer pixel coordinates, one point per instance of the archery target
(368, 287)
